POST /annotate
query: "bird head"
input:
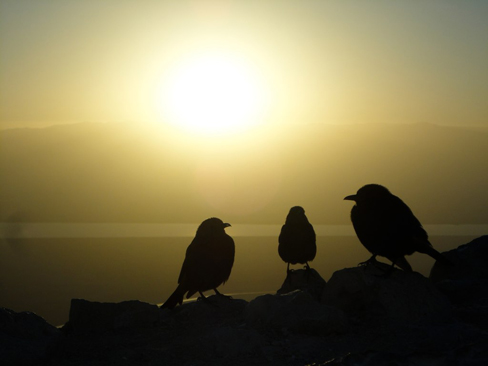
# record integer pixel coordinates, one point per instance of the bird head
(368, 192)
(212, 225)
(296, 214)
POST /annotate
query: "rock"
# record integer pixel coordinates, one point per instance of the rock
(212, 331)
(365, 293)
(306, 280)
(213, 311)
(469, 262)
(25, 338)
(465, 283)
(297, 312)
(91, 316)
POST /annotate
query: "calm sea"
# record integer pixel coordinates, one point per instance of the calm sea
(44, 266)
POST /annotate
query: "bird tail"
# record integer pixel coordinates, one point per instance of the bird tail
(403, 264)
(175, 298)
(429, 250)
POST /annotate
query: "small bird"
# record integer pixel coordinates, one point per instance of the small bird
(208, 262)
(297, 239)
(386, 226)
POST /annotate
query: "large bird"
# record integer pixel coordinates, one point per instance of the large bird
(297, 239)
(386, 226)
(208, 262)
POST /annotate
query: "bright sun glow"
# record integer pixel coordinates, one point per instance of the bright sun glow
(213, 94)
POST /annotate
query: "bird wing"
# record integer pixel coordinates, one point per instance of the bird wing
(284, 234)
(193, 258)
(297, 243)
(223, 257)
(208, 262)
(310, 233)
(404, 221)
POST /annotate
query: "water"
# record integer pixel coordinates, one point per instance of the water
(42, 274)
(138, 230)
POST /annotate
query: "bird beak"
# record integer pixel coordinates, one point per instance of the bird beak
(352, 197)
(227, 225)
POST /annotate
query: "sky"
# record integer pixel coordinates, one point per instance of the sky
(352, 61)
(218, 67)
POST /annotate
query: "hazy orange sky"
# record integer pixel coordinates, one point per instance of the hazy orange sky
(316, 61)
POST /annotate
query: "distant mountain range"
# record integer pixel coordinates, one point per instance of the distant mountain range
(139, 173)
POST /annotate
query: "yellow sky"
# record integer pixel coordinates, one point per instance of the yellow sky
(317, 61)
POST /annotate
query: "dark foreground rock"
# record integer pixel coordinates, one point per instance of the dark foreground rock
(25, 338)
(296, 312)
(372, 292)
(361, 318)
(91, 316)
(465, 282)
(308, 280)
(469, 262)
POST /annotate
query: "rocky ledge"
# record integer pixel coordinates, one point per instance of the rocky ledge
(359, 317)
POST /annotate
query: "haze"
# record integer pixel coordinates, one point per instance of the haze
(327, 61)
(336, 94)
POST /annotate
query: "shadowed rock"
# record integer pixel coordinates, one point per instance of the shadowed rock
(308, 280)
(103, 316)
(365, 293)
(213, 309)
(211, 329)
(469, 262)
(298, 312)
(466, 282)
(24, 337)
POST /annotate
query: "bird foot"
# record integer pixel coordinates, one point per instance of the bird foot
(222, 295)
(386, 272)
(371, 260)
(308, 271)
(202, 298)
(206, 300)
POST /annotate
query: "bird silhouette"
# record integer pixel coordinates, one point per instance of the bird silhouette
(297, 239)
(386, 226)
(208, 262)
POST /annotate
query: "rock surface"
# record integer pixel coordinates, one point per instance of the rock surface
(469, 262)
(465, 282)
(96, 316)
(361, 318)
(372, 292)
(25, 338)
(297, 312)
(306, 280)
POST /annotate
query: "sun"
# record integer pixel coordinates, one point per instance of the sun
(213, 94)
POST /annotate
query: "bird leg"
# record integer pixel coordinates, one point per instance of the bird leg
(372, 260)
(288, 273)
(205, 299)
(222, 295)
(400, 262)
(307, 271)
(369, 261)
(201, 297)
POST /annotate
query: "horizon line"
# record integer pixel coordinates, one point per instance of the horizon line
(45, 125)
(148, 230)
